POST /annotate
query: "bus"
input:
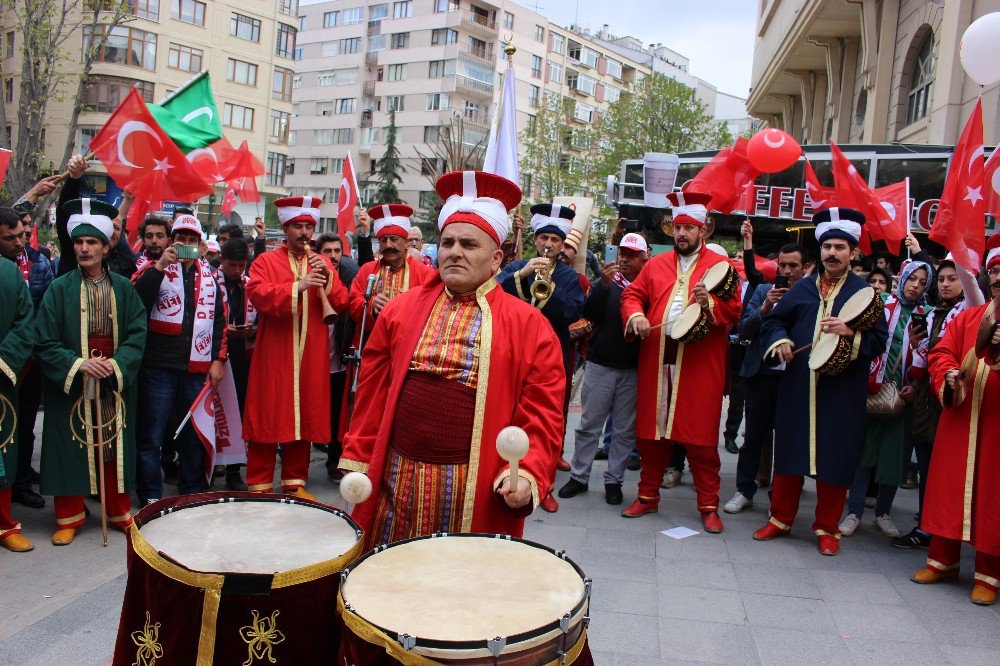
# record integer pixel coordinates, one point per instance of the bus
(781, 210)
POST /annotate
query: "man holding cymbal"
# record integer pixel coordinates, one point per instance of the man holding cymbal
(484, 359)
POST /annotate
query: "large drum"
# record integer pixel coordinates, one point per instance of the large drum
(234, 578)
(465, 599)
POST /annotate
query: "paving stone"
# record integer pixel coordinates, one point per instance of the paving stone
(905, 653)
(618, 541)
(625, 633)
(872, 588)
(794, 613)
(698, 603)
(775, 578)
(785, 646)
(630, 596)
(887, 621)
(706, 642)
(714, 575)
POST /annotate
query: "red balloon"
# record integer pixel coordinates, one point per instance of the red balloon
(772, 150)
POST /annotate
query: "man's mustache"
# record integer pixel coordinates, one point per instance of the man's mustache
(832, 260)
(995, 285)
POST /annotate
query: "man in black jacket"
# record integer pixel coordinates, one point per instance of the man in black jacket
(609, 378)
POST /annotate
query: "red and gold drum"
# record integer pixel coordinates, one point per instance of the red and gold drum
(465, 599)
(234, 578)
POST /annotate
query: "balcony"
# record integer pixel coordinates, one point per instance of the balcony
(366, 119)
(479, 23)
(371, 58)
(374, 28)
(477, 53)
(368, 89)
(473, 87)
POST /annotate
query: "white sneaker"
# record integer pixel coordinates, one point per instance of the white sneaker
(671, 477)
(738, 503)
(885, 525)
(849, 524)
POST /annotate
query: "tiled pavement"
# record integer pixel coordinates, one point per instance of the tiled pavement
(705, 599)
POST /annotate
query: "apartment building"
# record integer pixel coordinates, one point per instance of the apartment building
(248, 48)
(432, 59)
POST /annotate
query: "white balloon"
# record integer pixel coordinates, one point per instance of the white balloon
(980, 50)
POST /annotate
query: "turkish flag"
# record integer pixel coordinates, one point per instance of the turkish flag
(991, 180)
(229, 201)
(213, 161)
(960, 222)
(4, 161)
(241, 173)
(851, 191)
(895, 199)
(144, 161)
(33, 240)
(726, 177)
(819, 197)
(347, 200)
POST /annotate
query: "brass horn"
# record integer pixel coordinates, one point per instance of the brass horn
(541, 288)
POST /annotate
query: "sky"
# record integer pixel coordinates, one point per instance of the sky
(716, 35)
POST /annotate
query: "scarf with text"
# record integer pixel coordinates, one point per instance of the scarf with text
(167, 317)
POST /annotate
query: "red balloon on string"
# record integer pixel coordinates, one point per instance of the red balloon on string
(773, 150)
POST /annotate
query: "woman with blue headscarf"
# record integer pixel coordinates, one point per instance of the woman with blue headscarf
(885, 437)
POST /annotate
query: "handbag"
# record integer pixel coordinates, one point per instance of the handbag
(886, 403)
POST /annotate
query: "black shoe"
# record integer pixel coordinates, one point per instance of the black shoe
(320, 447)
(335, 475)
(27, 497)
(572, 489)
(913, 539)
(731, 445)
(633, 464)
(613, 493)
(234, 481)
(170, 470)
(220, 470)
(602, 453)
(35, 478)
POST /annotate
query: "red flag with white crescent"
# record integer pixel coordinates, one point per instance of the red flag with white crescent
(213, 161)
(991, 182)
(819, 197)
(895, 199)
(347, 200)
(4, 161)
(215, 417)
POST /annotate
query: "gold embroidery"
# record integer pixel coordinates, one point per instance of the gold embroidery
(147, 641)
(300, 327)
(261, 636)
(681, 281)
(825, 304)
(485, 343)
(979, 388)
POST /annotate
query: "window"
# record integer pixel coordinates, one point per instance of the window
(612, 94)
(397, 72)
(319, 166)
(350, 45)
(298, 53)
(443, 36)
(329, 49)
(147, 9)
(353, 16)
(105, 93)
(324, 79)
(244, 27)
(281, 84)
(539, 33)
(437, 101)
(324, 108)
(582, 83)
(476, 47)
(378, 12)
(369, 136)
(615, 68)
(289, 7)
(394, 103)
(331, 19)
(188, 11)
(921, 81)
(445, 6)
(438, 69)
(345, 105)
(402, 9)
(302, 23)
(279, 126)
(240, 117)
(431, 166)
(586, 57)
(508, 20)
(431, 134)
(124, 46)
(376, 43)
(184, 57)
(276, 168)
(347, 76)
(83, 137)
(553, 100)
(583, 112)
(8, 91)
(336, 166)
(555, 72)
(323, 137)
(343, 135)
(244, 73)
(9, 42)
(536, 67)
(534, 93)
(558, 44)
(286, 41)
(400, 40)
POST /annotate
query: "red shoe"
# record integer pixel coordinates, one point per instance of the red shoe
(829, 544)
(712, 522)
(640, 507)
(549, 503)
(562, 465)
(768, 532)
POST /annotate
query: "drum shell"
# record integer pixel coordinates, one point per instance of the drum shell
(208, 618)
(698, 332)
(727, 286)
(867, 320)
(839, 360)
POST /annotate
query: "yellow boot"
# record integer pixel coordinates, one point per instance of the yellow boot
(64, 537)
(302, 493)
(928, 576)
(983, 596)
(17, 543)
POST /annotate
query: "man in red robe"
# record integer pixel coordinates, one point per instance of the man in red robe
(959, 503)
(680, 385)
(288, 398)
(447, 367)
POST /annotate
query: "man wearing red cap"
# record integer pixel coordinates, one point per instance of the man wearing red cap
(680, 385)
(288, 398)
(966, 456)
(483, 360)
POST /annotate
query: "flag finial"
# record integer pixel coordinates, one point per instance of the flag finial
(508, 45)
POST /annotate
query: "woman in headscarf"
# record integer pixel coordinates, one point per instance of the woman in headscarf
(885, 437)
(880, 281)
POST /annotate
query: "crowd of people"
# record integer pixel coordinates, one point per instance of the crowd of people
(408, 369)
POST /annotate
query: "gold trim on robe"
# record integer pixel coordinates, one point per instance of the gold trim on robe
(682, 280)
(825, 306)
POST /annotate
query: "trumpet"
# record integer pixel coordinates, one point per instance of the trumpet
(542, 287)
(330, 315)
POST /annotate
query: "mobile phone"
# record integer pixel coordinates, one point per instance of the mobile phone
(611, 253)
(781, 282)
(918, 320)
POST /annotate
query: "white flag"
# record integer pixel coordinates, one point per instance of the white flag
(501, 151)
(216, 418)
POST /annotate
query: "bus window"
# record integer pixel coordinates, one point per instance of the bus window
(926, 175)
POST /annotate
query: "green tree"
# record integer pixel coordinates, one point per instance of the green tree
(558, 155)
(455, 147)
(389, 168)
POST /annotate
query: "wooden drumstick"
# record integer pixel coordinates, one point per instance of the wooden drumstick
(355, 487)
(512, 445)
(802, 349)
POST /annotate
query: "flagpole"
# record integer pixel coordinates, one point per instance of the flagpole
(909, 218)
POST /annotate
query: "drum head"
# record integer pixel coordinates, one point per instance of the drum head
(263, 537)
(822, 351)
(857, 304)
(462, 588)
(687, 321)
(716, 275)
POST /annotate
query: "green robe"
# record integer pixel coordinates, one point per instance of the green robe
(69, 467)
(17, 335)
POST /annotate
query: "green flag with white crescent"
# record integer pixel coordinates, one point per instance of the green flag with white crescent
(189, 116)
